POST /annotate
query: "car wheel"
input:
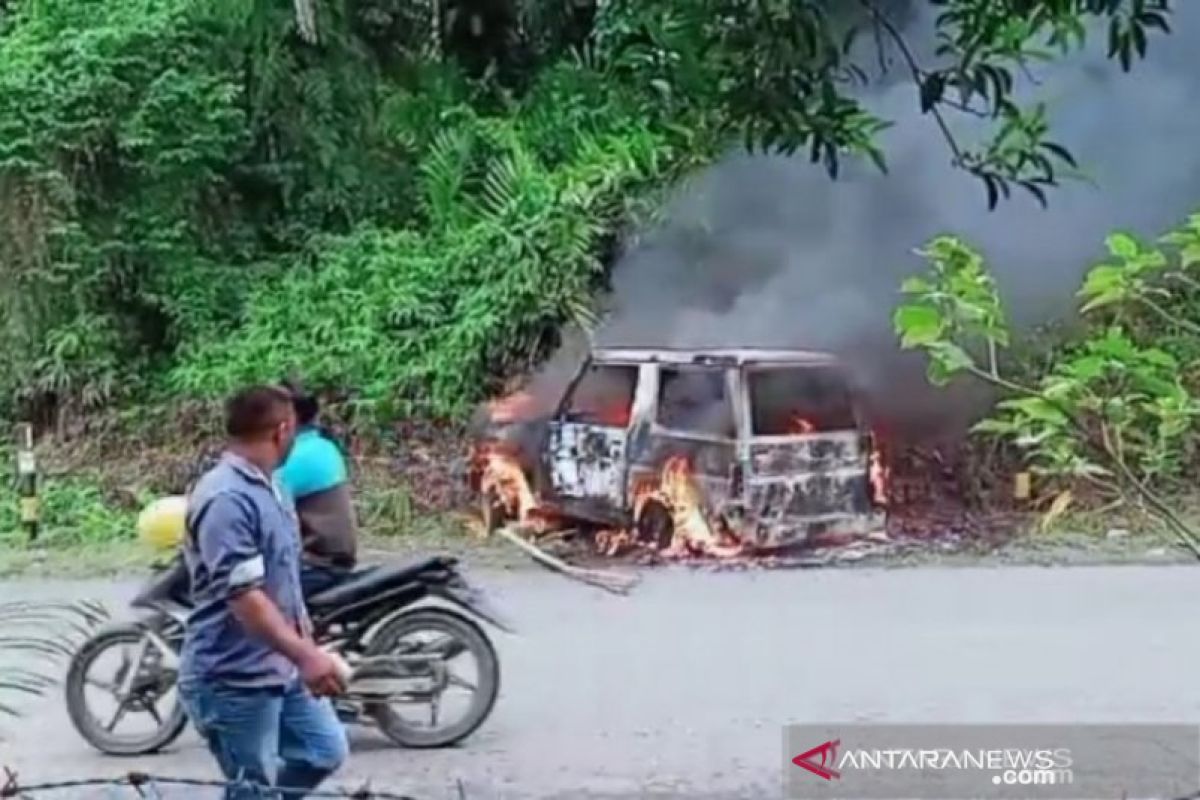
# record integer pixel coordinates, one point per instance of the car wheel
(495, 511)
(654, 525)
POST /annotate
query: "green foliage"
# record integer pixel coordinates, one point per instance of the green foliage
(75, 510)
(953, 309)
(781, 73)
(1127, 278)
(1114, 407)
(154, 154)
(114, 119)
(1127, 395)
(1151, 289)
(513, 211)
(195, 193)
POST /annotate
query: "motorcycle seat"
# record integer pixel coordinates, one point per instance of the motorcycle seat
(369, 581)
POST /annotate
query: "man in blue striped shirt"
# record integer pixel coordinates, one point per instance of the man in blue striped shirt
(252, 679)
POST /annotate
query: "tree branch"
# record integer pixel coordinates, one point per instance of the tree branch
(879, 53)
(964, 108)
(608, 581)
(1004, 383)
(1186, 324)
(1156, 504)
(1184, 279)
(917, 73)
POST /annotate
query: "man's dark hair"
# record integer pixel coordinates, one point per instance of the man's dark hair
(256, 410)
(305, 402)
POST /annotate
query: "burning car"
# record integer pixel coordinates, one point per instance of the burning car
(699, 451)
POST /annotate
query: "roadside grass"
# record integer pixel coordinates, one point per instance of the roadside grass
(76, 511)
(86, 531)
(1115, 522)
(1105, 534)
(89, 515)
(101, 560)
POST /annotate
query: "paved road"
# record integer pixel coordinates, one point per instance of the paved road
(683, 687)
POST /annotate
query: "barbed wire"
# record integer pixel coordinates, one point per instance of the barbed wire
(147, 786)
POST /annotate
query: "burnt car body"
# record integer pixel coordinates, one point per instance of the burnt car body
(772, 439)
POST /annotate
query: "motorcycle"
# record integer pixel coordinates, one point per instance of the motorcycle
(401, 629)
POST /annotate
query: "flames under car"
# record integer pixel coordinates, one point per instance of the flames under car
(703, 451)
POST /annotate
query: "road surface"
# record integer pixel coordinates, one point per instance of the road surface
(682, 688)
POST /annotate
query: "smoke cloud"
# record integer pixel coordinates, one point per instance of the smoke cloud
(768, 251)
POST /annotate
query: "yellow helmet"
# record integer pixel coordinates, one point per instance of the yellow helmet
(162, 523)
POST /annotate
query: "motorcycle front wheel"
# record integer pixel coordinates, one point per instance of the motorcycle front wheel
(138, 686)
(421, 722)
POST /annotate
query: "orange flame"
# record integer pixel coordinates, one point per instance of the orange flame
(680, 494)
(800, 424)
(513, 407)
(676, 489)
(501, 473)
(880, 476)
(612, 542)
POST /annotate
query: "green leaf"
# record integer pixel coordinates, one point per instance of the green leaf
(1102, 279)
(994, 425)
(918, 325)
(1085, 368)
(1122, 245)
(1160, 358)
(932, 89)
(1035, 408)
(1061, 153)
(916, 285)
(952, 357)
(1103, 299)
(1190, 255)
(1139, 39)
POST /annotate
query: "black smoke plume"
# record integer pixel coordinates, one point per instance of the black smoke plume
(769, 251)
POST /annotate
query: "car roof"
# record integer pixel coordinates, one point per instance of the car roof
(728, 355)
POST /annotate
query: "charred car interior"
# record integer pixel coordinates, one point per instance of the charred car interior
(693, 451)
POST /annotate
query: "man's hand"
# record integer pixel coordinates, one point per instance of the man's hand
(322, 673)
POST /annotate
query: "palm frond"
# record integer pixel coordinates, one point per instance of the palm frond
(44, 634)
(80, 617)
(444, 171)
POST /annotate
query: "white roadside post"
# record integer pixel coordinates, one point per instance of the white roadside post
(27, 480)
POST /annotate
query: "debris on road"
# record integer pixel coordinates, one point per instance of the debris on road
(604, 579)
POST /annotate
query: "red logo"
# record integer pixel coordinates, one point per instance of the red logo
(807, 760)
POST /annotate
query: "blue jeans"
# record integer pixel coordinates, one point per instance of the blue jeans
(251, 731)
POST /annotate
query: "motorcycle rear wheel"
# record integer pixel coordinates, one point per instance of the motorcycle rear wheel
(475, 641)
(93, 729)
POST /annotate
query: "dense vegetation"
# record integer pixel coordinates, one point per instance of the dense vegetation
(406, 199)
(1111, 412)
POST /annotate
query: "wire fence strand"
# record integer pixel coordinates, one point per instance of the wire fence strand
(146, 785)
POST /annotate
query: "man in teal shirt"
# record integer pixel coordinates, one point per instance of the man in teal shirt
(316, 477)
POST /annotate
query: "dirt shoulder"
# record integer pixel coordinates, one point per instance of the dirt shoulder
(131, 557)
(1051, 550)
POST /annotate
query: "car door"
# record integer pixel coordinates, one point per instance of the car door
(804, 462)
(692, 417)
(586, 448)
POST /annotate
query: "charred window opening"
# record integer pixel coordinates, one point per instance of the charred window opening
(695, 400)
(603, 396)
(798, 400)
